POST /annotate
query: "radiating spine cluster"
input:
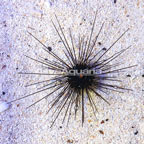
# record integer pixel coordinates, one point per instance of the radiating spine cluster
(85, 72)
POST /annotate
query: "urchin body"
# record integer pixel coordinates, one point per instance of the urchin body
(83, 77)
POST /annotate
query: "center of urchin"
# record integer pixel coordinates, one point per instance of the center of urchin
(80, 76)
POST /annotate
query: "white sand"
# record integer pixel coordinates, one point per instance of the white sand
(125, 115)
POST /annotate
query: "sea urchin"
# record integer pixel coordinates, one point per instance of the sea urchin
(86, 71)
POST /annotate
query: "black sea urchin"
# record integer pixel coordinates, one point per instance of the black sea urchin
(85, 71)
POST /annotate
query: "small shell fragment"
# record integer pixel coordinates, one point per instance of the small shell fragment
(4, 106)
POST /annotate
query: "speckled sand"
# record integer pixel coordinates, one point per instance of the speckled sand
(120, 123)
